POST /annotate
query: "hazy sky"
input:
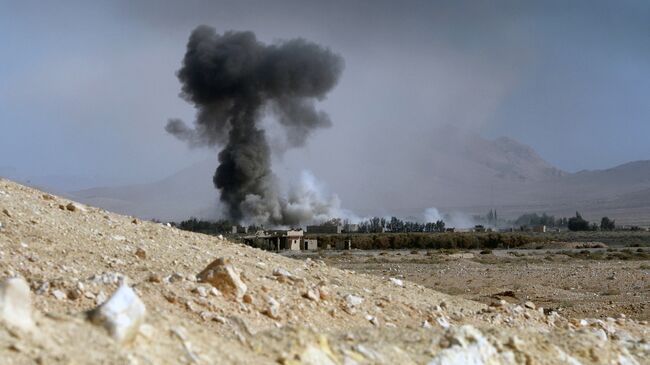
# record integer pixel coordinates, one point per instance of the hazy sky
(86, 87)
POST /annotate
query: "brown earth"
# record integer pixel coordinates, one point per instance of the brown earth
(322, 314)
(574, 286)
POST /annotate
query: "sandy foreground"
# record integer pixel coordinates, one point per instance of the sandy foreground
(279, 310)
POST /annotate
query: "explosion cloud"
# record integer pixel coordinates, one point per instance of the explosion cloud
(233, 80)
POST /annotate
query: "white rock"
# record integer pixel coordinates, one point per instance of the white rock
(397, 282)
(353, 300)
(58, 294)
(121, 315)
(100, 298)
(273, 309)
(16, 303)
(202, 291)
(469, 347)
(313, 355)
(442, 322)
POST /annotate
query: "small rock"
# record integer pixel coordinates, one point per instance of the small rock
(202, 291)
(324, 293)
(73, 294)
(247, 298)
(397, 282)
(141, 254)
(154, 278)
(468, 346)
(47, 197)
(58, 294)
(223, 275)
(73, 207)
(273, 309)
(311, 295)
(282, 274)
(100, 298)
(442, 322)
(353, 300)
(121, 315)
(529, 305)
(16, 303)
(6, 212)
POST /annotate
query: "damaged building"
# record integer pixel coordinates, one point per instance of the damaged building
(279, 240)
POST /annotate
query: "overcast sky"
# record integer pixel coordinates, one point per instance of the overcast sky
(86, 87)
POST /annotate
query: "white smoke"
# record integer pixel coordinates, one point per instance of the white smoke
(451, 219)
(307, 201)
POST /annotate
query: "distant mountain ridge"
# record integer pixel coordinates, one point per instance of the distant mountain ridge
(465, 172)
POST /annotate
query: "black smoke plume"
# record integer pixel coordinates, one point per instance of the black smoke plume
(233, 80)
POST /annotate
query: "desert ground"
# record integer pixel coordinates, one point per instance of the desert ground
(81, 285)
(579, 282)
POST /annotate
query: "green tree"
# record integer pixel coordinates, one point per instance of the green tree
(578, 223)
(607, 224)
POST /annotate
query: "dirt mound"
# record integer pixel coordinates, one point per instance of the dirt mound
(279, 310)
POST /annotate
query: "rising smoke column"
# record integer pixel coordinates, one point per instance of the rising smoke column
(233, 79)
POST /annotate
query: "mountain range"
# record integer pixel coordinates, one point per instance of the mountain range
(460, 172)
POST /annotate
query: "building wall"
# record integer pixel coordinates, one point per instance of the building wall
(310, 244)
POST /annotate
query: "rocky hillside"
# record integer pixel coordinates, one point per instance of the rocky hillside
(111, 289)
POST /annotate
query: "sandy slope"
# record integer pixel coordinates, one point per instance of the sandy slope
(56, 249)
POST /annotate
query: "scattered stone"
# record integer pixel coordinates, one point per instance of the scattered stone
(223, 275)
(529, 305)
(121, 315)
(100, 298)
(282, 274)
(311, 295)
(353, 300)
(468, 346)
(324, 293)
(58, 294)
(175, 277)
(47, 197)
(273, 309)
(397, 282)
(202, 291)
(140, 253)
(154, 278)
(317, 354)
(73, 207)
(16, 303)
(73, 294)
(442, 322)
(247, 298)
(6, 212)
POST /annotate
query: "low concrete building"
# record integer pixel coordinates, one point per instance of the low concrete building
(277, 240)
(309, 244)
